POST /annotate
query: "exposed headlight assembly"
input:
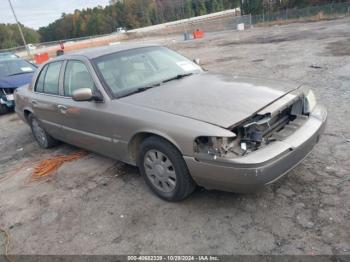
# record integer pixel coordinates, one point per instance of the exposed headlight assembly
(309, 102)
(217, 147)
(308, 99)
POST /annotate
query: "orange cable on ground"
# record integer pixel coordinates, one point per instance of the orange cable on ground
(47, 167)
(7, 245)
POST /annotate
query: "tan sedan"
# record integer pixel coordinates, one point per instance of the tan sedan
(151, 107)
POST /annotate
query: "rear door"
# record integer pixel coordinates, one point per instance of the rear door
(46, 98)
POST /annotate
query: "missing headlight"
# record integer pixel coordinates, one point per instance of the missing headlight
(309, 102)
(215, 147)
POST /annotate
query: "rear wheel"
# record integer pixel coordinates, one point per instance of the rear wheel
(41, 136)
(165, 170)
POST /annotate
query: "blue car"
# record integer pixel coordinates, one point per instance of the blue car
(7, 55)
(14, 72)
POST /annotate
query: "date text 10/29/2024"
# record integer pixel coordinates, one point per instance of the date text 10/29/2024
(173, 258)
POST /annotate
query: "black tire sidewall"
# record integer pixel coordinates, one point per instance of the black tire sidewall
(31, 118)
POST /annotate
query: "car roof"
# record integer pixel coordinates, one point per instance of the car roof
(95, 52)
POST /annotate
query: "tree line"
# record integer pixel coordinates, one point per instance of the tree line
(255, 7)
(129, 14)
(138, 13)
(132, 14)
(10, 37)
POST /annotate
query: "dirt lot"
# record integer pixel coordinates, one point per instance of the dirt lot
(98, 206)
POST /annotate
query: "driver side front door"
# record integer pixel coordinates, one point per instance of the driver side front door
(86, 124)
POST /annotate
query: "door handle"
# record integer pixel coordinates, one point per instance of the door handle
(34, 102)
(62, 108)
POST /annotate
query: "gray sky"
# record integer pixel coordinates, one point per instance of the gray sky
(37, 13)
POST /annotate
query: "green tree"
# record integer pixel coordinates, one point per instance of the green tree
(188, 9)
(220, 5)
(252, 7)
(202, 10)
(10, 36)
(214, 6)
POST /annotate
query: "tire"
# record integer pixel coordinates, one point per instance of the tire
(41, 136)
(3, 109)
(164, 170)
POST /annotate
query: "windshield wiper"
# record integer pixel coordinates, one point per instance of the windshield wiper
(141, 89)
(144, 88)
(177, 77)
(21, 73)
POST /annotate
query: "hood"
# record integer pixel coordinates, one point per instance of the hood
(220, 100)
(16, 80)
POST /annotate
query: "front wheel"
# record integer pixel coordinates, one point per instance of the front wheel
(165, 170)
(41, 136)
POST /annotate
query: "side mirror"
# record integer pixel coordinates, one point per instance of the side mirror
(86, 94)
(197, 61)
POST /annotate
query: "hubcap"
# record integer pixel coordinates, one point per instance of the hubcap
(39, 133)
(160, 171)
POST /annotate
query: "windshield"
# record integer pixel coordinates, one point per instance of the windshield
(7, 56)
(14, 67)
(127, 71)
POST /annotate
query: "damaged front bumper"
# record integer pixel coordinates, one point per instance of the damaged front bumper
(261, 167)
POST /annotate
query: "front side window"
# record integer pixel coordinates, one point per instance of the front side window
(76, 76)
(126, 71)
(51, 82)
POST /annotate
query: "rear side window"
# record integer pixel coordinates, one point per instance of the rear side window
(76, 76)
(40, 82)
(52, 75)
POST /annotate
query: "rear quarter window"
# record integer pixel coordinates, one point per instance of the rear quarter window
(39, 87)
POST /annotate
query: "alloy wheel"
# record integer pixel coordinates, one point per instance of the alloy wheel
(160, 171)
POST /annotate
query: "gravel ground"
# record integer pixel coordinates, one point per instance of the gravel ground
(99, 206)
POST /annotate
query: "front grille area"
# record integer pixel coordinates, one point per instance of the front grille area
(263, 129)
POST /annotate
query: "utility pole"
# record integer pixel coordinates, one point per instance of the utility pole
(184, 16)
(20, 29)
